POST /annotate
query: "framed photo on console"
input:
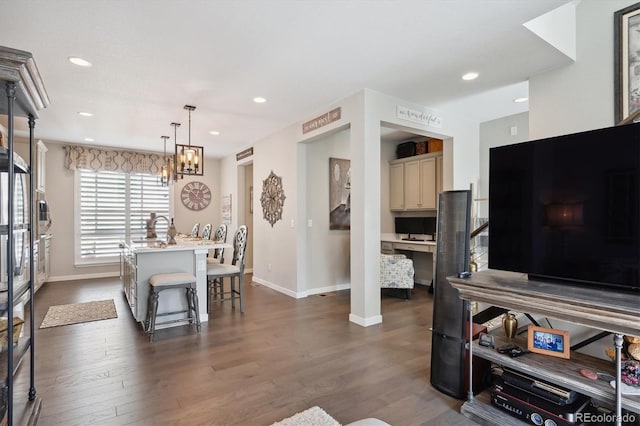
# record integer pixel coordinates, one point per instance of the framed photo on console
(548, 341)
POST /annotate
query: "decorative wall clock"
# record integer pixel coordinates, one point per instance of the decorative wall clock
(195, 195)
(272, 198)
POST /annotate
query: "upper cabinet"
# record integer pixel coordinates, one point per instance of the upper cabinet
(414, 182)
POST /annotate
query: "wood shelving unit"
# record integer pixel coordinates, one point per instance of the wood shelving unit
(618, 313)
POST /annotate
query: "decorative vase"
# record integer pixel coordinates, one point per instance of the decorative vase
(510, 325)
(172, 233)
(473, 265)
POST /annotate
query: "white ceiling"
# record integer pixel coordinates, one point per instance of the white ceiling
(151, 57)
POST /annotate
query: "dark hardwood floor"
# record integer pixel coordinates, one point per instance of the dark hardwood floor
(280, 357)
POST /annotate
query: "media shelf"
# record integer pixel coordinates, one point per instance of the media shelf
(618, 313)
(562, 372)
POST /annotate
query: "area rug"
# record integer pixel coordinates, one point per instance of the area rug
(79, 312)
(314, 416)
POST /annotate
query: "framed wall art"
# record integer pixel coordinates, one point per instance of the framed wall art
(627, 62)
(339, 193)
(225, 209)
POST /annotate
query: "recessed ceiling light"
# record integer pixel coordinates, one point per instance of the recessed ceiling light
(85, 114)
(88, 139)
(520, 100)
(259, 100)
(470, 76)
(79, 61)
(214, 132)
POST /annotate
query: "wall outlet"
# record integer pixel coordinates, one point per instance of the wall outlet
(269, 266)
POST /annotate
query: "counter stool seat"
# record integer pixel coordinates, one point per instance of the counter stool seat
(160, 282)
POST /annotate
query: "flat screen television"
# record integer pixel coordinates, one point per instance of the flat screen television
(567, 208)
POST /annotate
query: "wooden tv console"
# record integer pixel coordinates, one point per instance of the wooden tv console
(618, 313)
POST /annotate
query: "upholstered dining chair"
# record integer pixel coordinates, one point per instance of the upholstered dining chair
(218, 271)
(206, 232)
(195, 230)
(219, 236)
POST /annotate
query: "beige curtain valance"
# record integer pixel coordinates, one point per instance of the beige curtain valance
(100, 159)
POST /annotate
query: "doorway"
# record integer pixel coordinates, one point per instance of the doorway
(246, 200)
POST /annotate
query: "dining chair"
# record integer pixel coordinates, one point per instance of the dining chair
(206, 232)
(220, 235)
(195, 230)
(216, 272)
(218, 257)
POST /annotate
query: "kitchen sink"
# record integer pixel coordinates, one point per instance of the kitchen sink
(150, 243)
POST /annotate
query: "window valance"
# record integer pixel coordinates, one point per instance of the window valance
(101, 159)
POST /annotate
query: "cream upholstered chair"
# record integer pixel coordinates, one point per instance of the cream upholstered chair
(218, 271)
(206, 232)
(396, 271)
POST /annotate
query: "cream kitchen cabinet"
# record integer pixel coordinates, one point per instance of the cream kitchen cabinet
(414, 182)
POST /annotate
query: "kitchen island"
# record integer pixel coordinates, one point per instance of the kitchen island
(141, 259)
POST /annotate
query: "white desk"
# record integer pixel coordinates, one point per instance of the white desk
(423, 254)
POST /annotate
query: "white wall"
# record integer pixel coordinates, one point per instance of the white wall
(580, 96)
(497, 133)
(274, 246)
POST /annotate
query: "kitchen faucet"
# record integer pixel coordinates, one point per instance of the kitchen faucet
(151, 225)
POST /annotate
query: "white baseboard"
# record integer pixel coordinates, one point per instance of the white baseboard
(365, 322)
(301, 294)
(83, 276)
(328, 289)
(278, 288)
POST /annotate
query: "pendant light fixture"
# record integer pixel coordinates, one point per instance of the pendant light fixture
(165, 176)
(173, 166)
(190, 157)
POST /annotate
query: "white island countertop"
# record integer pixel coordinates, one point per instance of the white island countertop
(182, 244)
(144, 258)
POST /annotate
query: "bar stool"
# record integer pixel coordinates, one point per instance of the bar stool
(160, 282)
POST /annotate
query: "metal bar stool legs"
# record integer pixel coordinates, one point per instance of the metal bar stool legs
(179, 280)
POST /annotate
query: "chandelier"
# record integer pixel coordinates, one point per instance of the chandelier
(189, 157)
(173, 167)
(165, 176)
